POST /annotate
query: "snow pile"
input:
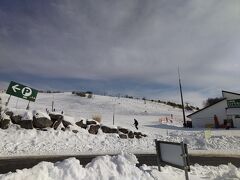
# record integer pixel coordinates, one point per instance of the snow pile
(16, 141)
(120, 167)
(40, 114)
(106, 167)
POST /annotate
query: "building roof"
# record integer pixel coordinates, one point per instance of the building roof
(214, 103)
(230, 93)
(205, 107)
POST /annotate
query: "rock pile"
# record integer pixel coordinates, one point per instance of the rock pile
(123, 133)
(56, 121)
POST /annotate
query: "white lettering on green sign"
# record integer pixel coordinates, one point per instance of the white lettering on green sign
(234, 103)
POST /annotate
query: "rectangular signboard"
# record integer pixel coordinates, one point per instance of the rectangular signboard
(234, 103)
(22, 91)
(173, 154)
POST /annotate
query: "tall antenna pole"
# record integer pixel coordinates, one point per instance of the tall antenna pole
(180, 86)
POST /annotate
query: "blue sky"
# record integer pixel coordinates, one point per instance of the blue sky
(129, 47)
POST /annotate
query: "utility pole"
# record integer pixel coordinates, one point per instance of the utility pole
(180, 87)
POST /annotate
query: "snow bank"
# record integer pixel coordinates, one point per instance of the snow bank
(121, 167)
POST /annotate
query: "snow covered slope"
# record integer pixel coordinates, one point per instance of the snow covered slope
(152, 121)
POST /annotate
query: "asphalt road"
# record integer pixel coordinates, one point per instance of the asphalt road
(12, 164)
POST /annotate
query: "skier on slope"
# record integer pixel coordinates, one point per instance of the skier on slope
(136, 124)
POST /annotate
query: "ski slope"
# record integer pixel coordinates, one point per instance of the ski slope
(16, 141)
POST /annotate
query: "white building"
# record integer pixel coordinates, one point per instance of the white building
(227, 110)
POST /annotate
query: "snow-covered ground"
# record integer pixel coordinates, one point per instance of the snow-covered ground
(19, 142)
(120, 167)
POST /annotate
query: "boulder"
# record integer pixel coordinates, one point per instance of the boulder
(75, 131)
(42, 122)
(55, 117)
(114, 130)
(131, 135)
(4, 124)
(107, 129)
(56, 124)
(9, 113)
(26, 124)
(63, 129)
(123, 136)
(138, 136)
(123, 130)
(66, 123)
(88, 122)
(94, 129)
(137, 133)
(16, 119)
(81, 124)
(4, 121)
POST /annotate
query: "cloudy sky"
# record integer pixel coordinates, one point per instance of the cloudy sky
(122, 46)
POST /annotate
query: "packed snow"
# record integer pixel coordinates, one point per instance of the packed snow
(158, 121)
(120, 167)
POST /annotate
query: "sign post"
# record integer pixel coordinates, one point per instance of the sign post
(8, 100)
(173, 154)
(21, 91)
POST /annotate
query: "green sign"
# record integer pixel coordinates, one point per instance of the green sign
(22, 91)
(234, 103)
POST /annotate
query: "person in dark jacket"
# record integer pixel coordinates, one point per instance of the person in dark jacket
(136, 124)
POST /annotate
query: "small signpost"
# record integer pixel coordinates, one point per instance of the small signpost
(21, 91)
(173, 154)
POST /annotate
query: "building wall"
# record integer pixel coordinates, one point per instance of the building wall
(206, 116)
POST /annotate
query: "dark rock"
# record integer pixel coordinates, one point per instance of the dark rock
(131, 135)
(40, 129)
(26, 124)
(75, 131)
(106, 129)
(91, 122)
(123, 136)
(66, 123)
(63, 129)
(114, 130)
(42, 122)
(81, 124)
(94, 129)
(55, 117)
(137, 133)
(16, 119)
(4, 123)
(9, 113)
(123, 130)
(56, 124)
(144, 135)
(138, 136)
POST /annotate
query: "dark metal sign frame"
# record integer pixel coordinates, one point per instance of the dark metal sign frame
(184, 155)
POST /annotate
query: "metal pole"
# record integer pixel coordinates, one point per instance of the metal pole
(28, 105)
(158, 154)
(180, 86)
(53, 103)
(184, 155)
(113, 114)
(8, 100)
